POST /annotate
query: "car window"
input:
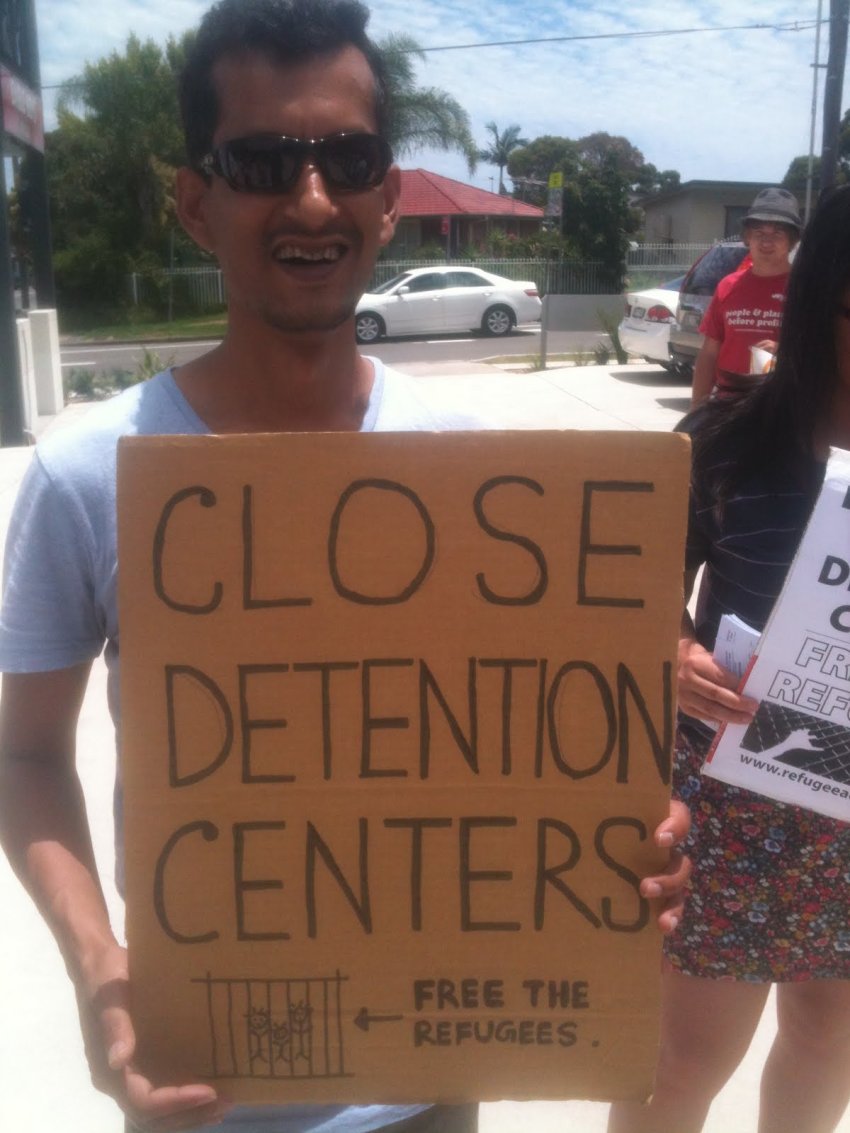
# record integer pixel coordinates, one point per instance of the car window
(466, 279)
(707, 272)
(390, 284)
(434, 281)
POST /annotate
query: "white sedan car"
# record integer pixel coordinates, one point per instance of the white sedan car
(434, 300)
(645, 329)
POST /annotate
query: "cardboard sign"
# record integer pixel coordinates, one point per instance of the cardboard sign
(797, 747)
(397, 728)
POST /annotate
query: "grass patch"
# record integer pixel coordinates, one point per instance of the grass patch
(199, 326)
(509, 359)
(598, 355)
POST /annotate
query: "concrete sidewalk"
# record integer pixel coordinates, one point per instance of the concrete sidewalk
(44, 1083)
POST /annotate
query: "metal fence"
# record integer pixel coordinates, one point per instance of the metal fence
(679, 257)
(652, 265)
(198, 288)
(553, 277)
(202, 288)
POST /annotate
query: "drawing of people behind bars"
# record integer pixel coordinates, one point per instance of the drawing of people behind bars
(284, 1028)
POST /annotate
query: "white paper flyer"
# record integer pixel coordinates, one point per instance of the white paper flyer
(797, 747)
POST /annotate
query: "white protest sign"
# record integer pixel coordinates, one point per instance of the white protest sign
(797, 747)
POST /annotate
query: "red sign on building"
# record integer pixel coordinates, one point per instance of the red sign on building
(23, 115)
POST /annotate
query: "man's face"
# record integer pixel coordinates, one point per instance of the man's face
(769, 244)
(299, 260)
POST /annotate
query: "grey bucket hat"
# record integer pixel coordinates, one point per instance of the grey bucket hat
(777, 205)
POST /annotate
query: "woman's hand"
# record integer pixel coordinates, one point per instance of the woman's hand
(707, 690)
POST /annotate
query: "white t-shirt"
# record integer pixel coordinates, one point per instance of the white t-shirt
(60, 595)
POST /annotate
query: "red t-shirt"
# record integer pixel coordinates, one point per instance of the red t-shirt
(746, 309)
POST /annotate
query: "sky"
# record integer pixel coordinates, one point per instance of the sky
(717, 105)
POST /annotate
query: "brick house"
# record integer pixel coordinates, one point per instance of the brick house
(435, 209)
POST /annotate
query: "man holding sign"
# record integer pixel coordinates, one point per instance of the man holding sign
(290, 184)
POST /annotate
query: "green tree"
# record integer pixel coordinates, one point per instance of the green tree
(654, 180)
(110, 167)
(614, 152)
(111, 161)
(130, 100)
(530, 166)
(423, 117)
(500, 149)
(797, 172)
(598, 218)
(602, 172)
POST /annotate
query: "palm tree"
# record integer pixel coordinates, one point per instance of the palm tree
(500, 151)
(422, 116)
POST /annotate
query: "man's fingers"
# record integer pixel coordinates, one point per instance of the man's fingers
(110, 1006)
(668, 883)
(674, 829)
(104, 998)
(668, 919)
(670, 887)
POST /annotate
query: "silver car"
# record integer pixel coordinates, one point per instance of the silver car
(696, 293)
(441, 299)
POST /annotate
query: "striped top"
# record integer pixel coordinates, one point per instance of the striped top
(747, 544)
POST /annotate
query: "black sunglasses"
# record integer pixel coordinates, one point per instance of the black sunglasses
(271, 163)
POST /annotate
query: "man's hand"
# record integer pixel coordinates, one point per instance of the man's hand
(705, 371)
(44, 830)
(670, 885)
(707, 690)
(103, 1000)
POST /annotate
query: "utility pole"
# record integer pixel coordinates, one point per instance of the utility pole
(815, 79)
(11, 393)
(838, 16)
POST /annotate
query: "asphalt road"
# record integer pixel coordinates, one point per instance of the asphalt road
(395, 352)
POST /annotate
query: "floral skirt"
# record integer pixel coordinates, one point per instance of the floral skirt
(769, 899)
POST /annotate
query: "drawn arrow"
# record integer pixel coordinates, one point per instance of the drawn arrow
(364, 1020)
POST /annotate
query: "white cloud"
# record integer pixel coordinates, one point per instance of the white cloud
(719, 105)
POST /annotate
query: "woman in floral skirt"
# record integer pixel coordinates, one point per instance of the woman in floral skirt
(770, 894)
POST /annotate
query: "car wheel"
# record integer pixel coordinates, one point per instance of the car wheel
(497, 321)
(369, 327)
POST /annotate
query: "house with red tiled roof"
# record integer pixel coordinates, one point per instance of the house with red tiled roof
(435, 209)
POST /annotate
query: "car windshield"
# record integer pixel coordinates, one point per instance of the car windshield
(720, 261)
(673, 284)
(382, 288)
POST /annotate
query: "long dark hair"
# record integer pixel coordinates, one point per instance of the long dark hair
(773, 428)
